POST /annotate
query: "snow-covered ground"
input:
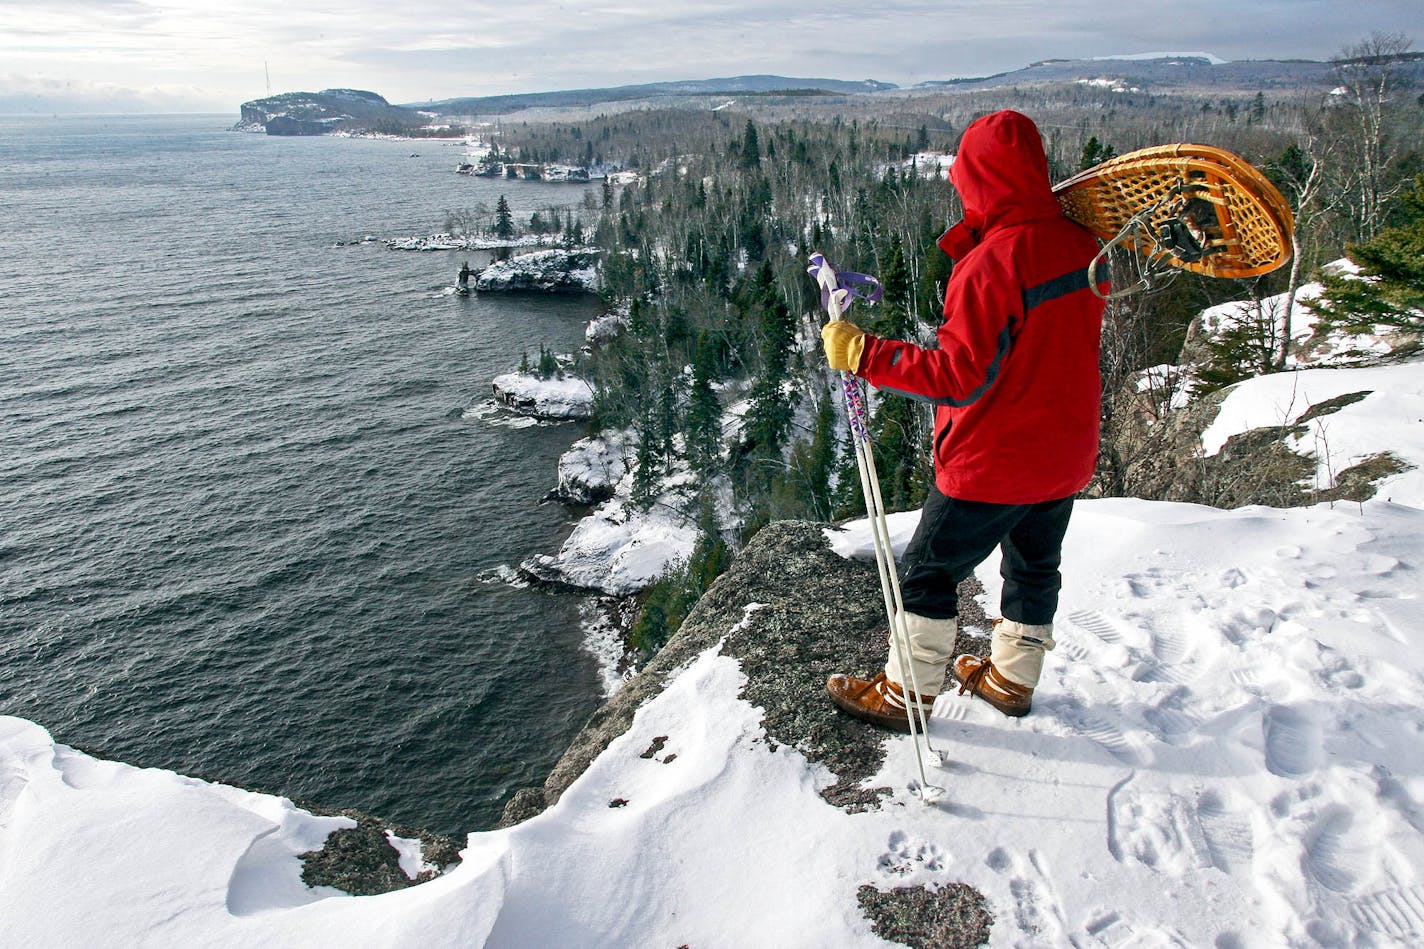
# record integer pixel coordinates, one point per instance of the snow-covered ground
(1388, 419)
(1226, 750)
(444, 241)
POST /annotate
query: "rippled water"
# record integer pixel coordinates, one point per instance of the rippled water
(244, 515)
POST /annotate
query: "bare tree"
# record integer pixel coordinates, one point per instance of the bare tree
(1370, 78)
(1305, 186)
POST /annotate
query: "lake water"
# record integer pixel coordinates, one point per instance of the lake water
(249, 501)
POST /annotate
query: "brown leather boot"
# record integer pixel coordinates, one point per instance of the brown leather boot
(978, 676)
(879, 701)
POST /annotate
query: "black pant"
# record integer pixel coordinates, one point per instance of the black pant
(955, 536)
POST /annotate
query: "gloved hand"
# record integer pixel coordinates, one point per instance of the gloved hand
(845, 343)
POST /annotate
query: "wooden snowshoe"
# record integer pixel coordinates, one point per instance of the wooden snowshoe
(1191, 207)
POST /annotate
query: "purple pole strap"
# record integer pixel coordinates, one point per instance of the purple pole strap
(848, 288)
(848, 285)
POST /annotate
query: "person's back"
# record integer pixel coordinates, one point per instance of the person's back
(1033, 434)
(1016, 391)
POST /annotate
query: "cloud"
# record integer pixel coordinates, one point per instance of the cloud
(28, 95)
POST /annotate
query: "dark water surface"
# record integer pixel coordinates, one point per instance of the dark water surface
(243, 512)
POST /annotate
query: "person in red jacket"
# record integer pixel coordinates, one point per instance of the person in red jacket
(1016, 391)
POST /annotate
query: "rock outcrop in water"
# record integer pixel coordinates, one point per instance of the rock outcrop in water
(544, 271)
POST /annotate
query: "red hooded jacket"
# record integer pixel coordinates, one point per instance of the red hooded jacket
(1015, 378)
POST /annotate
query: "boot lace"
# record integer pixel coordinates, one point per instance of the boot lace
(971, 681)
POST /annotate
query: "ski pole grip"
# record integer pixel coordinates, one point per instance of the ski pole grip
(826, 279)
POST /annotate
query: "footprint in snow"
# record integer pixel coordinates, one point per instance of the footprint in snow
(1246, 677)
(1292, 742)
(1169, 720)
(1098, 727)
(1096, 623)
(1036, 913)
(1108, 928)
(953, 711)
(1230, 841)
(906, 856)
(1333, 857)
(1337, 672)
(1170, 660)
(1397, 913)
(1157, 829)
(1233, 578)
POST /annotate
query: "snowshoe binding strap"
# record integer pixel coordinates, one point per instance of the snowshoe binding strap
(1184, 207)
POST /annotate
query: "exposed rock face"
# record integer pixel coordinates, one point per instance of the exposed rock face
(361, 860)
(1161, 459)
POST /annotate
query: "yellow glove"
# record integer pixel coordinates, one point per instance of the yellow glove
(845, 343)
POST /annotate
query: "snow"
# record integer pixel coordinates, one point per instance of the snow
(1335, 348)
(606, 328)
(1225, 750)
(558, 270)
(1112, 85)
(446, 241)
(619, 549)
(592, 467)
(561, 397)
(1214, 60)
(1166, 384)
(1389, 418)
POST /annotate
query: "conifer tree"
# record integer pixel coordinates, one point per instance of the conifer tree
(1393, 264)
(751, 149)
(646, 475)
(503, 219)
(813, 464)
(704, 414)
(1094, 153)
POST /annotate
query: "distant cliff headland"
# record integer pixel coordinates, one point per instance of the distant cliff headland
(330, 111)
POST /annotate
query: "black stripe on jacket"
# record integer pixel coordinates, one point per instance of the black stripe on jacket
(1036, 296)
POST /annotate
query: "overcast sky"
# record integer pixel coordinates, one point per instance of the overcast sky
(211, 55)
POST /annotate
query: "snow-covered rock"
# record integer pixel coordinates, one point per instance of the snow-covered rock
(1310, 346)
(556, 398)
(445, 241)
(549, 271)
(592, 467)
(619, 549)
(602, 330)
(1386, 419)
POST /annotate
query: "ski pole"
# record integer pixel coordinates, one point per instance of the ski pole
(837, 290)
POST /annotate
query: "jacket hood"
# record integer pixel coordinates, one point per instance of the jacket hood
(1001, 174)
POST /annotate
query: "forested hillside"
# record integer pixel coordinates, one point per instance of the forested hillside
(718, 373)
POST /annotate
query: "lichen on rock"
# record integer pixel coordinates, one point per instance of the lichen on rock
(817, 613)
